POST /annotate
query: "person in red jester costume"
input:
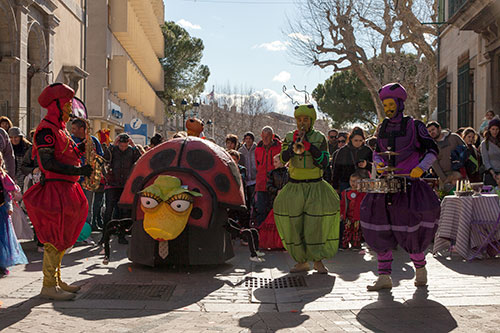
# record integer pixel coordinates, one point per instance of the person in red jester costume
(56, 205)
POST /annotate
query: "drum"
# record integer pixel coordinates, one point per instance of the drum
(382, 185)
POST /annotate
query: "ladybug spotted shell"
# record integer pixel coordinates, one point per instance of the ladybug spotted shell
(201, 165)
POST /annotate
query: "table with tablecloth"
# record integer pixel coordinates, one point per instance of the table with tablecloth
(467, 221)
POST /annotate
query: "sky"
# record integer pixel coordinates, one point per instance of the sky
(246, 46)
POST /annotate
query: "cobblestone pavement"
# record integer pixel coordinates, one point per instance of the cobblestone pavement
(242, 296)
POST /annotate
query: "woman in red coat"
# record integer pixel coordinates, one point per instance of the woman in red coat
(56, 205)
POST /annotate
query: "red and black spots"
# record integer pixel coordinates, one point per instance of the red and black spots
(196, 213)
(137, 184)
(235, 171)
(162, 159)
(222, 183)
(200, 159)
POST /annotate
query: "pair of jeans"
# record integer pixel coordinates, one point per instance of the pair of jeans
(262, 206)
(112, 196)
(97, 209)
(90, 198)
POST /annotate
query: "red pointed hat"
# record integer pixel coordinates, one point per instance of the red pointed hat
(56, 91)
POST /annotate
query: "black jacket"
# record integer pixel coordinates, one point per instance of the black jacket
(120, 164)
(346, 161)
(276, 180)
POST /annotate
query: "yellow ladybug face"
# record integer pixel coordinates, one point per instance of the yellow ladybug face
(165, 220)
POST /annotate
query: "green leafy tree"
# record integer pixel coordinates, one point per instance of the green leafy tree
(346, 100)
(185, 76)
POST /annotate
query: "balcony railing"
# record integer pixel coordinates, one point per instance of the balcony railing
(454, 6)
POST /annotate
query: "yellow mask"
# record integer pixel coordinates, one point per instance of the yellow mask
(67, 110)
(390, 107)
(303, 122)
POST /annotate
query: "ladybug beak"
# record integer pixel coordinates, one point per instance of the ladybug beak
(164, 223)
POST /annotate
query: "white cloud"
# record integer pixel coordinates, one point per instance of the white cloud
(277, 45)
(188, 25)
(299, 36)
(281, 102)
(283, 77)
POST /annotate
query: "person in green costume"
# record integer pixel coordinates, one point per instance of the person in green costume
(306, 210)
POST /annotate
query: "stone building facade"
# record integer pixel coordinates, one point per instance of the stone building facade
(41, 42)
(468, 61)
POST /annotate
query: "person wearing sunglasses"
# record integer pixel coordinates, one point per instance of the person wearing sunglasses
(332, 141)
(306, 210)
(407, 218)
(342, 139)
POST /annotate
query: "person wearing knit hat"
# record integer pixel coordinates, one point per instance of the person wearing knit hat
(490, 153)
(20, 146)
(407, 218)
(307, 209)
(56, 205)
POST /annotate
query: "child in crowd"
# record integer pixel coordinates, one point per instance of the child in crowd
(238, 222)
(350, 205)
(276, 179)
(243, 218)
(11, 252)
(249, 235)
(236, 158)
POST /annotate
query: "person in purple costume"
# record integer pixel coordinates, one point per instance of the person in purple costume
(408, 219)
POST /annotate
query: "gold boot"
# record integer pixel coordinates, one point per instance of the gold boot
(420, 277)
(320, 268)
(50, 290)
(63, 285)
(300, 267)
(383, 282)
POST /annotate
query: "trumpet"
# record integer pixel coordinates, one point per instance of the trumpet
(298, 146)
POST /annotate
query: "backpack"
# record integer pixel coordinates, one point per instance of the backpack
(459, 157)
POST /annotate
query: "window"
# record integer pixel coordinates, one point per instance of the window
(443, 103)
(454, 6)
(441, 8)
(465, 96)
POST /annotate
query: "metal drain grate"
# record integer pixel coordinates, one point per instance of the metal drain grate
(279, 283)
(139, 292)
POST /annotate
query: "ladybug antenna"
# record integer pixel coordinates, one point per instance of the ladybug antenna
(307, 96)
(293, 101)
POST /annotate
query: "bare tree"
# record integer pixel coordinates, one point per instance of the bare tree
(373, 38)
(236, 111)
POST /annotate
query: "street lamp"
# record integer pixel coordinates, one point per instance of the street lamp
(184, 104)
(196, 110)
(211, 123)
(170, 104)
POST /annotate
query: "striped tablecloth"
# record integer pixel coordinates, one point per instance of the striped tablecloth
(463, 219)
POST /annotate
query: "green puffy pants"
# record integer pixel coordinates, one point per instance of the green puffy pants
(307, 218)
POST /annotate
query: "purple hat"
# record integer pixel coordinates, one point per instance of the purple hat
(494, 122)
(392, 90)
(396, 91)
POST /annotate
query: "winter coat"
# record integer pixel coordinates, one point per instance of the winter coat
(247, 159)
(19, 152)
(473, 164)
(276, 179)
(442, 166)
(346, 163)
(350, 205)
(121, 164)
(264, 162)
(8, 153)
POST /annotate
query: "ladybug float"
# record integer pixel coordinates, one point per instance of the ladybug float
(184, 169)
